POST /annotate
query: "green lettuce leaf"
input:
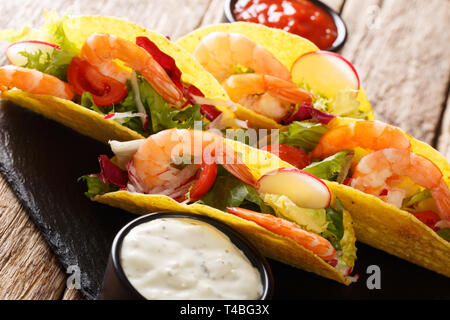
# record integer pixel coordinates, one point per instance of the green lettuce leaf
(303, 134)
(444, 233)
(61, 58)
(344, 104)
(335, 229)
(228, 191)
(57, 63)
(96, 186)
(88, 102)
(165, 116)
(333, 168)
(37, 60)
(416, 198)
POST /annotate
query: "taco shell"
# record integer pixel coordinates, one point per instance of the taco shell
(286, 47)
(398, 232)
(270, 244)
(87, 121)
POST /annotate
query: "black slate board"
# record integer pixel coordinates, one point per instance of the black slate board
(41, 160)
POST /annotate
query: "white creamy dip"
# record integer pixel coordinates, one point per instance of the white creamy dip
(182, 258)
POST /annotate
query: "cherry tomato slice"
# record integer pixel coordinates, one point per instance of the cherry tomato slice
(205, 181)
(105, 90)
(430, 218)
(290, 154)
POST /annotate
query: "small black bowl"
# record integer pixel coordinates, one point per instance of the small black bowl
(116, 285)
(340, 25)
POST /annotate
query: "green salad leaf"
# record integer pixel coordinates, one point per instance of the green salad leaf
(229, 191)
(335, 229)
(303, 134)
(37, 60)
(444, 233)
(165, 116)
(57, 63)
(333, 168)
(96, 186)
(416, 198)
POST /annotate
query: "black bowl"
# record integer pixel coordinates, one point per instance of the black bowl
(340, 25)
(116, 285)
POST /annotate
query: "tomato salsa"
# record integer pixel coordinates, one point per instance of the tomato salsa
(300, 17)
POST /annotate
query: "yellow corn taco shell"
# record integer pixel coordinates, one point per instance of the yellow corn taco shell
(89, 122)
(398, 232)
(286, 47)
(270, 244)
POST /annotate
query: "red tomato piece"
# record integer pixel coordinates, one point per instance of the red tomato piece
(205, 181)
(290, 154)
(105, 91)
(430, 218)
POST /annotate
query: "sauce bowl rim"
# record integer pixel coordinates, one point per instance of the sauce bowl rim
(338, 21)
(252, 254)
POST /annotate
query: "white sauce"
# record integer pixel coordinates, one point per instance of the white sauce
(181, 258)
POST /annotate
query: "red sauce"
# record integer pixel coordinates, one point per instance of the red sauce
(300, 17)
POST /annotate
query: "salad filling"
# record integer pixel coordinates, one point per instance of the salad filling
(157, 165)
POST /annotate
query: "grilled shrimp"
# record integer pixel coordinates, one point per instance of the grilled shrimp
(267, 95)
(317, 244)
(219, 52)
(159, 160)
(101, 49)
(373, 171)
(34, 81)
(369, 134)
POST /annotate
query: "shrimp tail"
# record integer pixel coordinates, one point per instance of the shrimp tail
(317, 244)
(231, 161)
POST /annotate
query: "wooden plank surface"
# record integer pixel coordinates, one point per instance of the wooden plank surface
(401, 51)
(400, 48)
(443, 140)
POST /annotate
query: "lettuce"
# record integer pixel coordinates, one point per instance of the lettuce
(444, 233)
(165, 116)
(333, 168)
(344, 104)
(416, 198)
(228, 191)
(36, 60)
(303, 134)
(57, 63)
(96, 186)
(335, 229)
(161, 114)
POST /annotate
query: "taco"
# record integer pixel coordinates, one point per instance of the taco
(288, 214)
(277, 77)
(394, 186)
(109, 79)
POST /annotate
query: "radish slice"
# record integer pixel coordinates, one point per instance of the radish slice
(30, 46)
(304, 189)
(325, 72)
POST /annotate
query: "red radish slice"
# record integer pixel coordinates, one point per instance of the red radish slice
(325, 72)
(30, 46)
(302, 188)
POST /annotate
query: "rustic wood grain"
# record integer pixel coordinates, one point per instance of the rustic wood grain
(28, 269)
(336, 5)
(170, 17)
(443, 144)
(401, 50)
(72, 294)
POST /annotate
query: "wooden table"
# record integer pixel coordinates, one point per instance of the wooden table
(400, 48)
